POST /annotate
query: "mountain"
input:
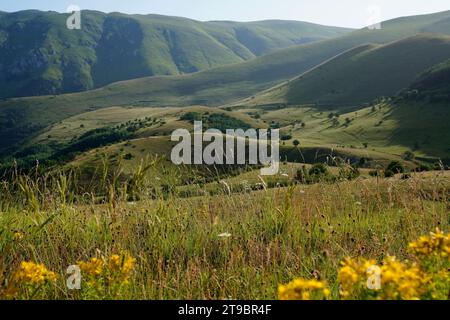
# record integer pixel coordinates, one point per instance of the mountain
(21, 118)
(362, 74)
(39, 55)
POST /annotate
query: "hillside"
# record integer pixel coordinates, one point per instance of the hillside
(362, 74)
(22, 118)
(416, 120)
(434, 82)
(39, 55)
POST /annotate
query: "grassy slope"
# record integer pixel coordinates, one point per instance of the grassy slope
(39, 55)
(362, 74)
(415, 120)
(390, 130)
(77, 125)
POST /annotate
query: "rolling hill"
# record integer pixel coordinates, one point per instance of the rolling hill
(362, 74)
(415, 120)
(39, 55)
(21, 118)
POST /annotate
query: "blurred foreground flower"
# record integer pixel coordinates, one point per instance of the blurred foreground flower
(301, 289)
(426, 277)
(28, 279)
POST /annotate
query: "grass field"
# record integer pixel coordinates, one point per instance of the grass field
(211, 247)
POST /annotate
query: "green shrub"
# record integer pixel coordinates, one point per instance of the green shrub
(395, 167)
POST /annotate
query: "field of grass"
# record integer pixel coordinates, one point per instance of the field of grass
(211, 247)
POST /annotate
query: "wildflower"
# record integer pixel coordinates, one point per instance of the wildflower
(121, 266)
(28, 275)
(436, 244)
(32, 273)
(224, 235)
(115, 270)
(18, 235)
(94, 267)
(301, 289)
(353, 275)
(402, 281)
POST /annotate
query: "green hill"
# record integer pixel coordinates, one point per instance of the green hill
(362, 74)
(21, 118)
(39, 55)
(434, 83)
(416, 120)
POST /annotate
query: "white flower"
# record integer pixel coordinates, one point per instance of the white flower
(224, 235)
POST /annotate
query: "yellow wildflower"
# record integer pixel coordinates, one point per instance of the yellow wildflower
(436, 244)
(18, 235)
(113, 270)
(301, 289)
(29, 274)
(93, 267)
(32, 273)
(353, 275)
(400, 281)
(122, 266)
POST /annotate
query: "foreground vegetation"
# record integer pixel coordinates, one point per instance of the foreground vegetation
(211, 247)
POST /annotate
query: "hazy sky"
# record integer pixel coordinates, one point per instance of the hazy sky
(346, 13)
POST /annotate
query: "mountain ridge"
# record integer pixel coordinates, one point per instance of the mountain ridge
(39, 55)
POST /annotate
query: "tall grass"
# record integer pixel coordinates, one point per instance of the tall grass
(238, 246)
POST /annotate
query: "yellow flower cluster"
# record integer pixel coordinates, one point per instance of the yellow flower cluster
(402, 281)
(436, 244)
(353, 275)
(32, 273)
(301, 289)
(361, 278)
(121, 266)
(28, 275)
(116, 267)
(93, 267)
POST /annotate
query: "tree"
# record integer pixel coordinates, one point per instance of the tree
(394, 168)
(296, 143)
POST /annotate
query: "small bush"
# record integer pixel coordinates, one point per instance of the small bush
(395, 167)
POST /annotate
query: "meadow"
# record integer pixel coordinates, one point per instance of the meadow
(226, 245)
(91, 207)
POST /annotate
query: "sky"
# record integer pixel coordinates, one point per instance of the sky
(344, 13)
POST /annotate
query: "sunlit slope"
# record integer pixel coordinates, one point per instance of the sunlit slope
(416, 120)
(362, 74)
